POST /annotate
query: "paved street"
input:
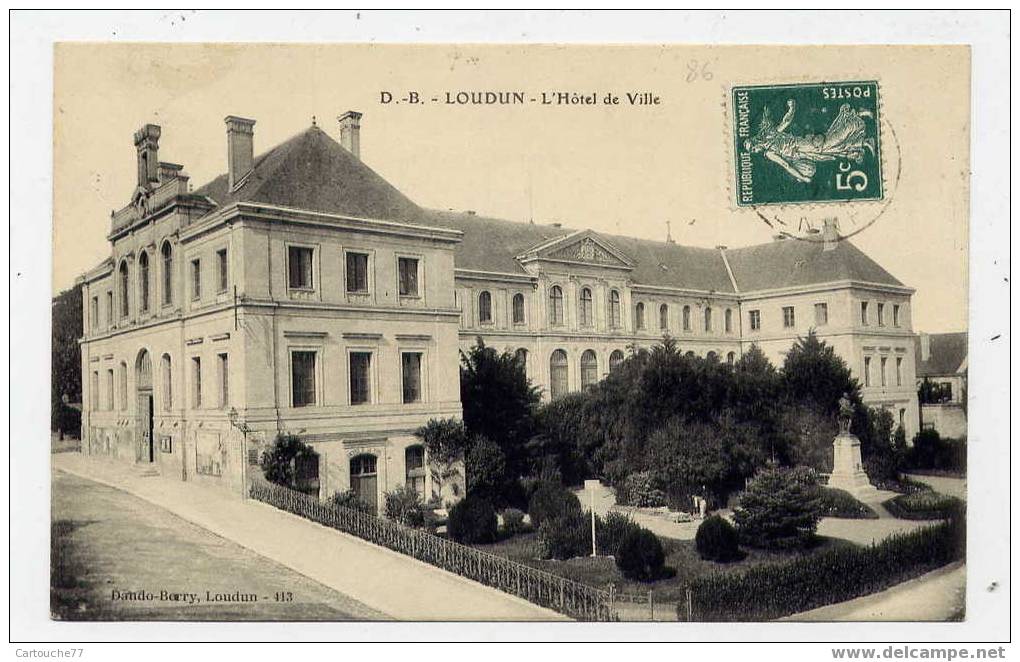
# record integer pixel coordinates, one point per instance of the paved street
(110, 546)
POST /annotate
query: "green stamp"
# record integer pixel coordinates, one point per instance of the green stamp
(809, 142)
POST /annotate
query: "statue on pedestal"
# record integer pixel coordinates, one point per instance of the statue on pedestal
(846, 414)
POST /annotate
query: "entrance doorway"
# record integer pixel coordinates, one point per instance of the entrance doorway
(143, 389)
(365, 480)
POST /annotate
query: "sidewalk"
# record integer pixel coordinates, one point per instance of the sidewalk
(392, 583)
(936, 596)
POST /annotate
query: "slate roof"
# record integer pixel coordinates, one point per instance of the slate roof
(793, 262)
(312, 171)
(948, 352)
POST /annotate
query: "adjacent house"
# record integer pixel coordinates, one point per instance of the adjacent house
(942, 382)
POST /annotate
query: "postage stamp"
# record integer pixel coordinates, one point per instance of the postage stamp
(807, 143)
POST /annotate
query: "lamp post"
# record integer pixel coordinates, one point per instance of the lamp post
(241, 425)
(590, 486)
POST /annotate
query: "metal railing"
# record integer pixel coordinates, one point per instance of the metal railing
(545, 589)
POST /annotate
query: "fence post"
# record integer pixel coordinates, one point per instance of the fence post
(612, 598)
(563, 586)
(651, 605)
(690, 612)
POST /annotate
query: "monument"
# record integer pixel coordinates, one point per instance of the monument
(847, 470)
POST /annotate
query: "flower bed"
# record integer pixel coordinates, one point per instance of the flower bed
(923, 505)
(842, 504)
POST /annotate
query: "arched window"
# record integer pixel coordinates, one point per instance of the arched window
(664, 317)
(586, 316)
(558, 373)
(125, 289)
(414, 469)
(687, 318)
(639, 316)
(556, 305)
(518, 308)
(614, 309)
(521, 356)
(708, 319)
(143, 281)
(589, 368)
(731, 358)
(615, 359)
(485, 308)
(728, 320)
(168, 273)
(166, 375)
(710, 356)
(364, 481)
(690, 354)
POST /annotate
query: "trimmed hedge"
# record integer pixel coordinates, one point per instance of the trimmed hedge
(842, 504)
(640, 556)
(924, 505)
(472, 520)
(551, 501)
(772, 591)
(717, 540)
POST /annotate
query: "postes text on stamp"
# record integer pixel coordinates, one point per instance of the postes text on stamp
(807, 143)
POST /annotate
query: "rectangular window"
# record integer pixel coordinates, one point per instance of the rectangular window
(224, 380)
(821, 314)
(410, 368)
(361, 381)
(94, 313)
(196, 279)
(864, 313)
(196, 382)
(896, 314)
(867, 371)
(94, 394)
(109, 308)
(755, 320)
(299, 268)
(109, 390)
(408, 268)
(881, 367)
(788, 318)
(881, 314)
(357, 272)
(302, 371)
(222, 268)
(899, 371)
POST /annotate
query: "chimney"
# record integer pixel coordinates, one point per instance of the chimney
(350, 132)
(240, 148)
(925, 347)
(147, 144)
(830, 234)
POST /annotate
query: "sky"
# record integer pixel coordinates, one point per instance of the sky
(622, 169)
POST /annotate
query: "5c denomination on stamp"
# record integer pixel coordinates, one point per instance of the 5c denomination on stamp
(807, 143)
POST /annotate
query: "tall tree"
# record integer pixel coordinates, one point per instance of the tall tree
(66, 354)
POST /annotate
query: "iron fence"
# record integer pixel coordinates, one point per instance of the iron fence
(545, 589)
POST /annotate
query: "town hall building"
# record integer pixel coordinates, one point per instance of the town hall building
(302, 293)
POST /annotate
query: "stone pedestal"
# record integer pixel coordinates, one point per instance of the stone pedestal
(847, 470)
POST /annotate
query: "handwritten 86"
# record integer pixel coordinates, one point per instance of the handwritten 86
(847, 179)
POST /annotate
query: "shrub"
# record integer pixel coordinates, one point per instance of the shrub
(349, 499)
(550, 501)
(565, 536)
(638, 490)
(485, 466)
(842, 504)
(610, 532)
(717, 540)
(780, 509)
(279, 461)
(472, 520)
(771, 591)
(923, 505)
(640, 556)
(404, 506)
(513, 522)
(931, 452)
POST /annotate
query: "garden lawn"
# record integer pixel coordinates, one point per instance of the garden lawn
(681, 556)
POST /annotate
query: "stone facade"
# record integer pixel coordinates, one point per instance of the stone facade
(301, 293)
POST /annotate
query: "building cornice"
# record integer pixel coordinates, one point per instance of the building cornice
(825, 287)
(475, 274)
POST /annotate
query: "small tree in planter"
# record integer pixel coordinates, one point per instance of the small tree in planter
(446, 442)
(780, 509)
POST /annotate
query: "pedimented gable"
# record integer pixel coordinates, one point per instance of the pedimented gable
(585, 247)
